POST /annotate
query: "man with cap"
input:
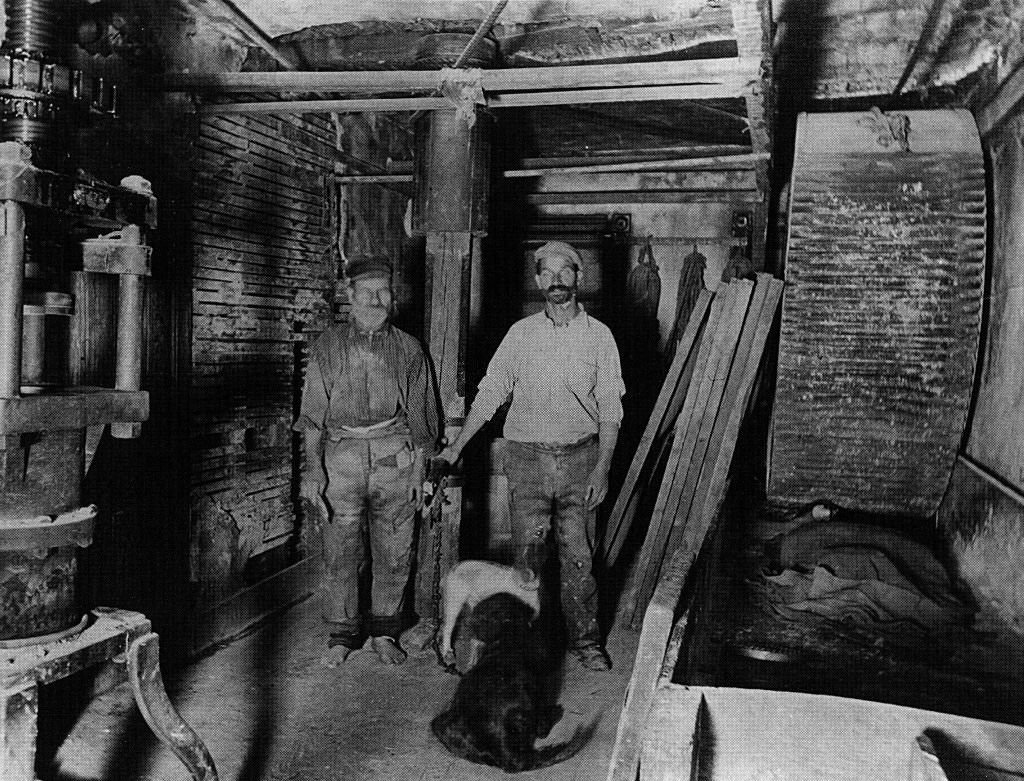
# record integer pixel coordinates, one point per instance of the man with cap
(561, 368)
(369, 419)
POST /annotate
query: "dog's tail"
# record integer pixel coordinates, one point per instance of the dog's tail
(552, 755)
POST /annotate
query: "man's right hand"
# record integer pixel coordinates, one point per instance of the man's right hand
(312, 489)
(450, 454)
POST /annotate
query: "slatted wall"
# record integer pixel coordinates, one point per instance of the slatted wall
(263, 282)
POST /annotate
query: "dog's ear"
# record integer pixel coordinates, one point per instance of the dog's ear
(531, 581)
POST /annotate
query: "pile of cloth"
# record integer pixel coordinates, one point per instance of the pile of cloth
(864, 577)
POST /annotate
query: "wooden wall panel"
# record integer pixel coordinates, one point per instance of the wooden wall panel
(997, 429)
(264, 278)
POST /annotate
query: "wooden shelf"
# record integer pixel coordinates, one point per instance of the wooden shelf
(72, 408)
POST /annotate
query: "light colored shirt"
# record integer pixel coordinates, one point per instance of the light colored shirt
(564, 380)
(356, 380)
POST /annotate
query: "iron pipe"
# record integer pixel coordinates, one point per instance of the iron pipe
(12, 284)
(128, 359)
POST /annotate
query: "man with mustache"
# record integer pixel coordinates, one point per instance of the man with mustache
(561, 368)
(369, 420)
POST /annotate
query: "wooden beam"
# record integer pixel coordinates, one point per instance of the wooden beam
(726, 88)
(649, 155)
(718, 163)
(568, 97)
(752, 23)
(1009, 94)
(642, 196)
(374, 179)
(722, 70)
(324, 106)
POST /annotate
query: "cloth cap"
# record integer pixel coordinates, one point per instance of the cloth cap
(367, 266)
(558, 249)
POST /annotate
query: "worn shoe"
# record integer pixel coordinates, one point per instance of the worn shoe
(593, 657)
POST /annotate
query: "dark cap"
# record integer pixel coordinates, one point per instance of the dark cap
(367, 266)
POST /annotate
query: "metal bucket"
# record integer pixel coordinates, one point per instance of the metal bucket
(38, 570)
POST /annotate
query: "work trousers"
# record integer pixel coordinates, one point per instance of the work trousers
(547, 491)
(367, 493)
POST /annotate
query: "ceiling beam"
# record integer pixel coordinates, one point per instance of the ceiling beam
(723, 70)
(567, 97)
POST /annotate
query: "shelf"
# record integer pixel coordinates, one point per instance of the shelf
(72, 408)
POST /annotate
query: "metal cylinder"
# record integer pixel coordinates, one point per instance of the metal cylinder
(12, 283)
(44, 340)
(129, 333)
(32, 25)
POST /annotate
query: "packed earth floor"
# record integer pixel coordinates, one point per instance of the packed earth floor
(269, 711)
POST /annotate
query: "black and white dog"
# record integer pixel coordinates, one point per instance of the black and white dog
(507, 700)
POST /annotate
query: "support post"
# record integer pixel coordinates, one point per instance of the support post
(452, 183)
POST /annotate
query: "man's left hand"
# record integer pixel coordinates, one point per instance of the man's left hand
(597, 487)
(415, 490)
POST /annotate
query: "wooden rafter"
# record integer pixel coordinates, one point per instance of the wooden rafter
(730, 72)
(566, 97)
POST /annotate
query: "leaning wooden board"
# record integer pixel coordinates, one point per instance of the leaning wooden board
(882, 311)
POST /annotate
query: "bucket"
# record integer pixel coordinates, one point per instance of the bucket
(38, 569)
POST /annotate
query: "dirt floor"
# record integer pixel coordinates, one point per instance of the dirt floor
(268, 710)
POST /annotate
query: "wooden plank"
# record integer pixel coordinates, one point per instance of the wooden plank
(660, 416)
(708, 502)
(731, 410)
(634, 725)
(762, 734)
(657, 529)
(722, 69)
(254, 604)
(698, 435)
(698, 181)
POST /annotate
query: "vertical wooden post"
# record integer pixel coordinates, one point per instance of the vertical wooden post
(450, 208)
(752, 23)
(18, 732)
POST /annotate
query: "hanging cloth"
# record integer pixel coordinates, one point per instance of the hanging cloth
(691, 282)
(643, 285)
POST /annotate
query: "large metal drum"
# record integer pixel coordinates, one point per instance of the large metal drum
(882, 311)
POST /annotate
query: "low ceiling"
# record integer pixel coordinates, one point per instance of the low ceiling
(280, 17)
(831, 54)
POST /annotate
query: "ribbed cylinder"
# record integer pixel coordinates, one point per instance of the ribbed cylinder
(32, 25)
(35, 132)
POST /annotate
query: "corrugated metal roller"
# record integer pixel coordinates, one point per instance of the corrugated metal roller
(882, 311)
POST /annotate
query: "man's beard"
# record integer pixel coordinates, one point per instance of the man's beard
(370, 318)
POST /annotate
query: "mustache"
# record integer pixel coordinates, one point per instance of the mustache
(564, 288)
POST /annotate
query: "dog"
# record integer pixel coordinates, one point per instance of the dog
(472, 581)
(503, 704)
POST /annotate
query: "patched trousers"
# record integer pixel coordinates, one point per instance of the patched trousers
(547, 491)
(367, 493)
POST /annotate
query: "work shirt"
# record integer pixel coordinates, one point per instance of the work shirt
(356, 379)
(565, 380)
